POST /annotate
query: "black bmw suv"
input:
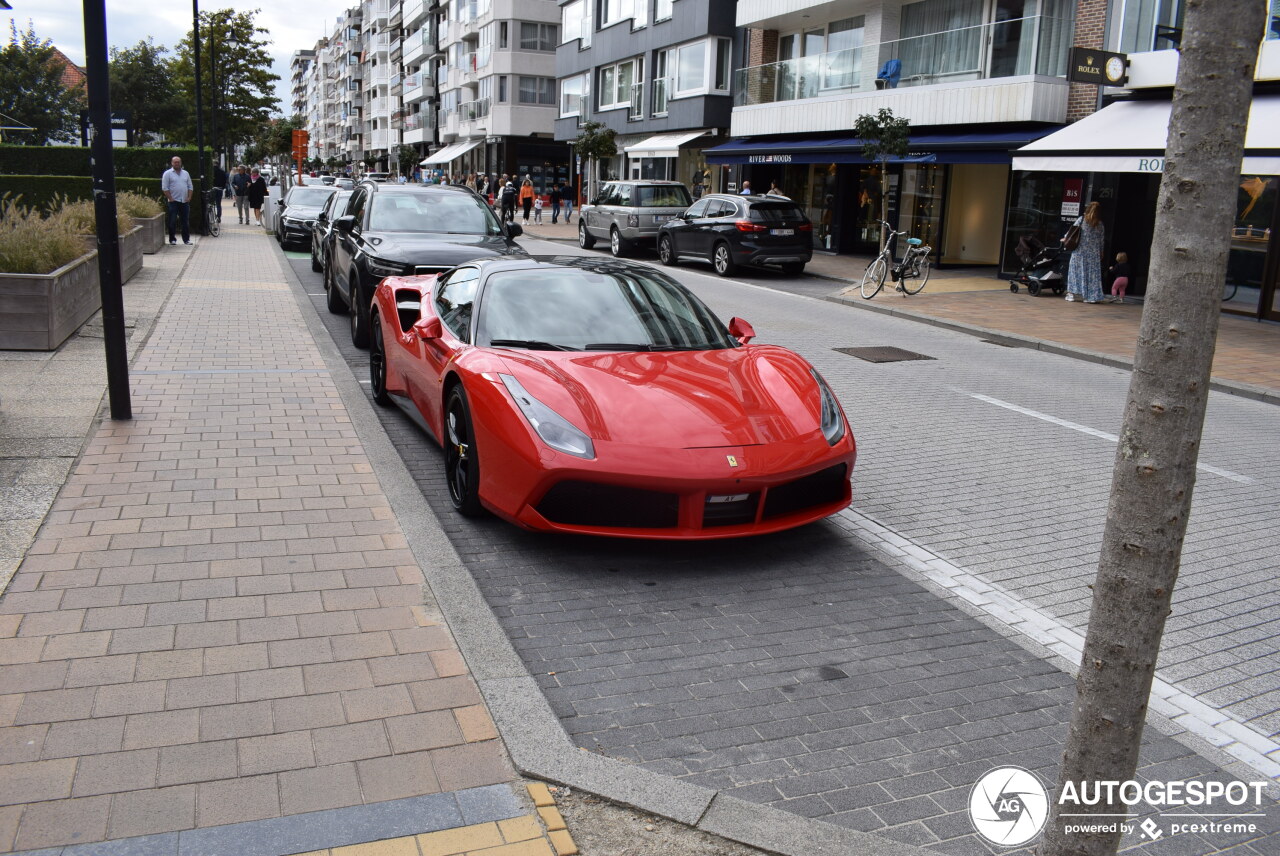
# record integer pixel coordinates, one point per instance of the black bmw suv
(402, 230)
(729, 231)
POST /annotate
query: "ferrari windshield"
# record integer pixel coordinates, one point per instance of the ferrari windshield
(566, 308)
(446, 213)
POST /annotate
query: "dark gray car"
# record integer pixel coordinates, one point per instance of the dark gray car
(729, 231)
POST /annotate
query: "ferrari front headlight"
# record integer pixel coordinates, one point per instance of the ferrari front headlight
(832, 417)
(556, 431)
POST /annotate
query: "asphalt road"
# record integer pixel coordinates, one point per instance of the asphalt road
(811, 671)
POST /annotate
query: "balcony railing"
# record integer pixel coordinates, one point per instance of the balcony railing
(661, 93)
(1023, 46)
(636, 110)
(471, 110)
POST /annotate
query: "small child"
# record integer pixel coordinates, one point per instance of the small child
(1120, 272)
(537, 210)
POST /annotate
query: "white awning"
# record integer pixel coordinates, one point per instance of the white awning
(1130, 136)
(662, 145)
(450, 152)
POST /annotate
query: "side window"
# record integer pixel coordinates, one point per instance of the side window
(356, 206)
(699, 208)
(624, 195)
(608, 193)
(721, 208)
(455, 298)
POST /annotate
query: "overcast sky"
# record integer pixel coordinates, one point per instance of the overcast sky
(292, 24)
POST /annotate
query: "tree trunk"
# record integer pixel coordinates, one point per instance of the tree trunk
(1155, 463)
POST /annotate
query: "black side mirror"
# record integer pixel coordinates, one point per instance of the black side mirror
(345, 223)
(514, 230)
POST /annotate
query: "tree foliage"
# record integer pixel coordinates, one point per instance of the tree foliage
(883, 136)
(234, 58)
(596, 141)
(275, 138)
(142, 83)
(31, 90)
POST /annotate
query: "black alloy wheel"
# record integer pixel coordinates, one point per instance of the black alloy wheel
(378, 361)
(461, 463)
(359, 314)
(333, 299)
(315, 262)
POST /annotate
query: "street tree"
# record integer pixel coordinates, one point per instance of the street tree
(236, 68)
(32, 92)
(594, 143)
(142, 83)
(1155, 465)
(883, 136)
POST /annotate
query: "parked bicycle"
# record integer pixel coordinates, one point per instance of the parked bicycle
(910, 273)
(212, 217)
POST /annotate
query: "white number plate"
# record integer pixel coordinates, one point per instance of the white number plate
(782, 231)
(662, 218)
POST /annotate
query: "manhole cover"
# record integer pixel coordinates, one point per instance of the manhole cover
(883, 354)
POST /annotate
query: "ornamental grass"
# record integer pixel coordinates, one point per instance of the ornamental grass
(138, 206)
(30, 243)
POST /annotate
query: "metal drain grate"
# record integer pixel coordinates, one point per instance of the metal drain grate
(883, 354)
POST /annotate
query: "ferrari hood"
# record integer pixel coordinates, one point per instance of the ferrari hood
(679, 400)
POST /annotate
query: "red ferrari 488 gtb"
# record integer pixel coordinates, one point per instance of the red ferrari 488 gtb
(579, 394)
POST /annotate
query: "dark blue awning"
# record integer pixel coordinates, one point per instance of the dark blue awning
(971, 147)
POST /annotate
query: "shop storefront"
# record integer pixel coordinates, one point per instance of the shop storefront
(950, 190)
(1116, 157)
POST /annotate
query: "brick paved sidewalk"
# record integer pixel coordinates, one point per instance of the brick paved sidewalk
(220, 622)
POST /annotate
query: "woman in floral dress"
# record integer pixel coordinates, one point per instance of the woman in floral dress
(1084, 276)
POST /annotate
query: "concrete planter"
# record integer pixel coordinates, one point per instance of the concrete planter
(39, 311)
(152, 233)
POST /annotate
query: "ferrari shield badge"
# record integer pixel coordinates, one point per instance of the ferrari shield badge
(733, 461)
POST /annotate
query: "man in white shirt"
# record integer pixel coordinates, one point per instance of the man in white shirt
(177, 187)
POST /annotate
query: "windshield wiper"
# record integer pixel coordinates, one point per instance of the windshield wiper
(531, 344)
(637, 346)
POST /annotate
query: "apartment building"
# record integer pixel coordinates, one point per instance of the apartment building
(658, 73)
(334, 92)
(975, 78)
(420, 31)
(1116, 155)
(299, 71)
(495, 68)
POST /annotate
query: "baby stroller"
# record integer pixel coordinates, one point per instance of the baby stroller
(1042, 267)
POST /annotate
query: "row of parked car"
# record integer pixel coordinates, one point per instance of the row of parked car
(728, 231)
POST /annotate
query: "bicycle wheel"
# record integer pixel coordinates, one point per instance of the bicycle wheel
(913, 284)
(211, 225)
(873, 279)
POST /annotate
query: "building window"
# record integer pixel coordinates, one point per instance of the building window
(537, 90)
(502, 89)
(698, 68)
(573, 95)
(661, 10)
(538, 37)
(661, 83)
(575, 22)
(620, 83)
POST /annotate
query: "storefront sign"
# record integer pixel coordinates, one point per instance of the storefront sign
(1099, 67)
(769, 159)
(1072, 188)
(1150, 164)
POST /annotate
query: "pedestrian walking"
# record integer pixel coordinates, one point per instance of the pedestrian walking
(257, 193)
(1119, 273)
(555, 202)
(239, 189)
(537, 210)
(1084, 274)
(526, 198)
(566, 198)
(509, 203)
(177, 187)
(219, 187)
(776, 191)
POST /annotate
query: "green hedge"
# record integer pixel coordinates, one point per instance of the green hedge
(73, 160)
(39, 191)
